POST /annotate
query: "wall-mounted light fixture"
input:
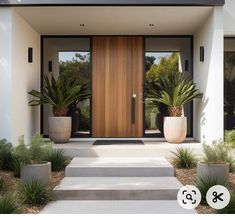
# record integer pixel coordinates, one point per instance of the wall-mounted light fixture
(30, 54)
(202, 54)
(186, 65)
(50, 66)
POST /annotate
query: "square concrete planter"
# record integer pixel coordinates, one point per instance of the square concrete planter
(219, 171)
(36, 171)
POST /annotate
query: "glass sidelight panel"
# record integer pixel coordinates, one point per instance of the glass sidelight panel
(229, 84)
(164, 56)
(229, 90)
(156, 64)
(75, 65)
(70, 58)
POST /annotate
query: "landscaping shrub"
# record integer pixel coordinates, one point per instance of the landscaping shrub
(204, 183)
(33, 153)
(230, 208)
(34, 192)
(184, 158)
(16, 166)
(229, 137)
(6, 156)
(2, 185)
(9, 204)
(57, 158)
(219, 152)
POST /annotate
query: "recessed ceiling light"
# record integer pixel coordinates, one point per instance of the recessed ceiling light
(82, 25)
(151, 25)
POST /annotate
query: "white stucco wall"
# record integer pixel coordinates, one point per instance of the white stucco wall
(229, 18)
(25, 119)
(208, 75)
(5, 72)
(17, 76)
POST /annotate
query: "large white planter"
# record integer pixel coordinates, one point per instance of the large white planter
(219, 171)
(60, 129)
(41, 172)
(175, 129)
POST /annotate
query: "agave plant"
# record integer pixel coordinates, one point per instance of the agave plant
(173, 90)
(59, 93)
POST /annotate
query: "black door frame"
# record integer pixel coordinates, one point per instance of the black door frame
(144, 40)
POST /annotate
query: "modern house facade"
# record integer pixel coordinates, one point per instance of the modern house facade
(108, 43)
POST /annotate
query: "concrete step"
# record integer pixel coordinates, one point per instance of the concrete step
(119, 167)
(115, 207)
(117, 188)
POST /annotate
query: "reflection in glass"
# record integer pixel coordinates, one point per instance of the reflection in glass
(157, 64)
(229, 90)
(76, 66)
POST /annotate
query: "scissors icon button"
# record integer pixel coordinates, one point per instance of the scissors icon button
(218, 197)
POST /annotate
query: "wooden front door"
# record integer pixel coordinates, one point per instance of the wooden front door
(117, 78)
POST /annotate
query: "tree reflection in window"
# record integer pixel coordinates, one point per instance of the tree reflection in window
(156, 64)
(76, 66)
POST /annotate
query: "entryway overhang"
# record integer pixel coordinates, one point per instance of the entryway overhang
(118, 20)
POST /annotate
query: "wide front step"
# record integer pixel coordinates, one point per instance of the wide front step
(115, 207)
(119, 167)
(117, 188)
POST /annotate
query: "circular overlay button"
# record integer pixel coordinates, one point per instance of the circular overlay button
(189, 197)
(218, 197)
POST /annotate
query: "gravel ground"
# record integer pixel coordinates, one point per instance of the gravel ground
(13, 183)
(188, 177)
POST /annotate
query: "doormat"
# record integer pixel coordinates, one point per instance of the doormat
(117, 142)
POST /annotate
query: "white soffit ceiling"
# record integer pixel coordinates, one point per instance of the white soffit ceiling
(115, 20)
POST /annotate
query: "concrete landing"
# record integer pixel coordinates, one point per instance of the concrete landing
(119, 167)
(149, 149)
(117, 188)
(115, 207)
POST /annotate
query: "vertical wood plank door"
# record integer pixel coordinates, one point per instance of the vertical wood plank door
(117, 73)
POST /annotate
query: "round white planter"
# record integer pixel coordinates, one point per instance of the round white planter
(60, 129)
(215, 171)
(175, 129)
(36, 171)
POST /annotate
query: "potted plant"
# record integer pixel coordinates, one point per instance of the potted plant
(174, 90)
(60, 94)
(216, 162)
(31, 159)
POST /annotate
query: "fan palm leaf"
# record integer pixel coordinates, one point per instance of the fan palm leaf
(59, 93)
(173, 90)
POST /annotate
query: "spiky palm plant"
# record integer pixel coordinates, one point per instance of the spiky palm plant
(173, 90)
(60, 94)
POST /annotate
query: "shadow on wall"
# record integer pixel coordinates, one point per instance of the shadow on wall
(202, 114)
